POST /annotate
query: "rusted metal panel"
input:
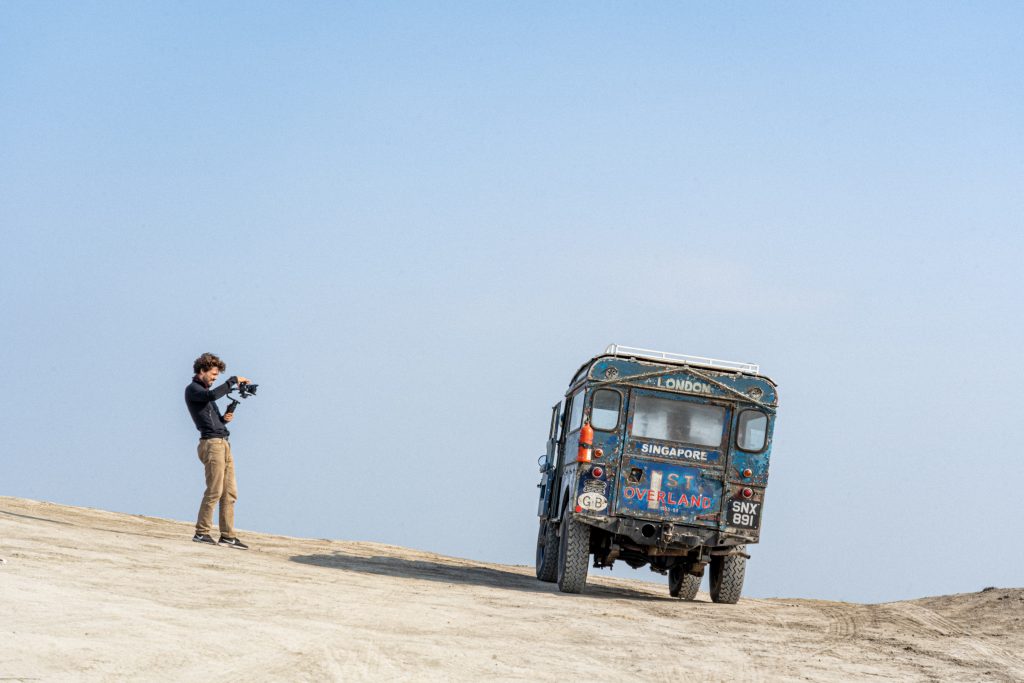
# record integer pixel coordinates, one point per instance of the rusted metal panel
(666, 491)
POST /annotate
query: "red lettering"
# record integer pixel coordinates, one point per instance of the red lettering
(674, 501)
(707, 503)
(661, 496)
(694, 501)
(639, 493)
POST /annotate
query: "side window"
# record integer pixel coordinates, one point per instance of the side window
(576, 416)
(752, 430)
(604, 409)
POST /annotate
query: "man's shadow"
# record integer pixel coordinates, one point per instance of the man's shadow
(450, 573)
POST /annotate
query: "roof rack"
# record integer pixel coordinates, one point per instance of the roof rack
(735, 366)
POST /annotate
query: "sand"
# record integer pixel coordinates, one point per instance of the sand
(94, 595)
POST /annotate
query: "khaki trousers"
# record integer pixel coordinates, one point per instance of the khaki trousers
(215, 454)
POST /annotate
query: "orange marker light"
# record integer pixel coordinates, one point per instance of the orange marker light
(586, 442)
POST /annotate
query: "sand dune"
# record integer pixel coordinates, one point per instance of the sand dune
(94, 595)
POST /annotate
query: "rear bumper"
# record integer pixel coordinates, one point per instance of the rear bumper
(665, 536)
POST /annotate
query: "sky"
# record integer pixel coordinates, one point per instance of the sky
(410, 223)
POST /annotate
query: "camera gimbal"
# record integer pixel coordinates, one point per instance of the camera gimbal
(245, 390)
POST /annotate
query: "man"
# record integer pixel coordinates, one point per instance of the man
(214, 450)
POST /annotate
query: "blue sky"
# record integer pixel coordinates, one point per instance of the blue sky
(411, 223)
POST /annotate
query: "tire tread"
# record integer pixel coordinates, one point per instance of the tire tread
(574, 555)
(547, 568)
(691, 584)
(729, 572)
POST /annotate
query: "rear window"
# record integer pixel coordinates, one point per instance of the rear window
(752, 431)
(672, 420)
(604, 410)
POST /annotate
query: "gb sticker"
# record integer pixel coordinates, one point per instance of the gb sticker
(591, 500)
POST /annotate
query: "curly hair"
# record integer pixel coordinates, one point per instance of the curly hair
(208, 361)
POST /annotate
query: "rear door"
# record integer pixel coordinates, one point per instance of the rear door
(673, 458)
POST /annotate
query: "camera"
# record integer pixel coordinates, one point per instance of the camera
(245, 390)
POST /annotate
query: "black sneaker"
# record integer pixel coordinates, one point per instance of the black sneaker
(231, 543)
(204, 538)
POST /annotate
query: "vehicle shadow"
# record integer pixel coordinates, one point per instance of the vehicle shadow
(450, 573)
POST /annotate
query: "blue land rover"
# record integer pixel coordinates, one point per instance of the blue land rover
(656, 459)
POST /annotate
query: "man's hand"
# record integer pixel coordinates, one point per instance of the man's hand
(228, 417)
(242, 380)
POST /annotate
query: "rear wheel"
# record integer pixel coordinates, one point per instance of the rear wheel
(573, 555)
(682, 584)
(727, 577)
(547, 552)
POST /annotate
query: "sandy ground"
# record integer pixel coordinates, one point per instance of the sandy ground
(93, 595)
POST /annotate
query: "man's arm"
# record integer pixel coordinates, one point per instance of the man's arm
(198, 394)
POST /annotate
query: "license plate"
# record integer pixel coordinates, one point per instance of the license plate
(745, 514)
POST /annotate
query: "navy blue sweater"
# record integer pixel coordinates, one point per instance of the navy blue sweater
(200, 401)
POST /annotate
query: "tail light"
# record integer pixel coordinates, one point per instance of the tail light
(748, 492)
